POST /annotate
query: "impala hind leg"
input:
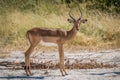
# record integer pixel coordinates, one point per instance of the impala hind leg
(34, 40)
(27, 60)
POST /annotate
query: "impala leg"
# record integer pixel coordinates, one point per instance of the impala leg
(34, 41)
(61, 55)
(27, 60)
(64, 69)
(63, 65)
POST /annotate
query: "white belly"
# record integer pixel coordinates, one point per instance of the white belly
(49, 41)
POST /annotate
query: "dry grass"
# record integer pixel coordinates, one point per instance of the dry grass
(101, 30)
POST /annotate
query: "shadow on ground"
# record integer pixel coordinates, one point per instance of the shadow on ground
(22, 77)
(117, 73)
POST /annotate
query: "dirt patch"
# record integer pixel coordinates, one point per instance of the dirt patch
(51, 65)
(4, 54)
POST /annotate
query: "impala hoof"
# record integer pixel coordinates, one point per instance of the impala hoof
(29, 74)
(66, 74)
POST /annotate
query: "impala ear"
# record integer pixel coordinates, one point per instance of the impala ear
(70, 20)
(83, 20)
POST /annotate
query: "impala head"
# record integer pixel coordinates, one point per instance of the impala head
(76, 22)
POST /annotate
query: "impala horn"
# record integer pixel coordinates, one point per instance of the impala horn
(71, 15)
(80, 14)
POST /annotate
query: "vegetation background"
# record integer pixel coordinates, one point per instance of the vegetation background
(102, 31)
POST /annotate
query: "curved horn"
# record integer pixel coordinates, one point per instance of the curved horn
(80, 14)
(71, 15)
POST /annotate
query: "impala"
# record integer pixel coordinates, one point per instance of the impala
(58, 36)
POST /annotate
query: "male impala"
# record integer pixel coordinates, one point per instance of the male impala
(58, 36)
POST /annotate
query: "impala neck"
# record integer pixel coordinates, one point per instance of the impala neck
(71, 33)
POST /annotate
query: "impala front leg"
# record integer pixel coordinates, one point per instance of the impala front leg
(61, 56)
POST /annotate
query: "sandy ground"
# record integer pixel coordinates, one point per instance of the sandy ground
(82, 74)
(106, 57)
